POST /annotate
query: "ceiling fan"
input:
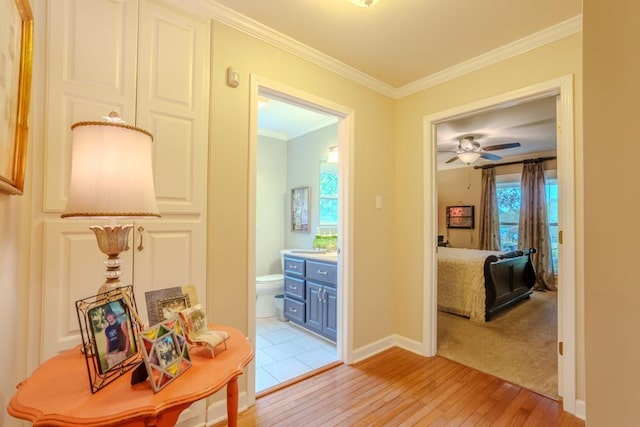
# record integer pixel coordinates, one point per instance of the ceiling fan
(469, 150)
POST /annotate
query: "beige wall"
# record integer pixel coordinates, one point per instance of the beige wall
(611, 150)
(545, 63)
(373, 175)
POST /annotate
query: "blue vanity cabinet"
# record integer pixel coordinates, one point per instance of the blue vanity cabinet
(294, 290)
(311, 297)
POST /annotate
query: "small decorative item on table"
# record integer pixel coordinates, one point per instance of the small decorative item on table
(194, 320)
(165, 352)
(108, 325)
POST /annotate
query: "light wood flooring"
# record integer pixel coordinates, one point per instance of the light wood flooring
(397, 387)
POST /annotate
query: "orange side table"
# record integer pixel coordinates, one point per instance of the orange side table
(58, 392)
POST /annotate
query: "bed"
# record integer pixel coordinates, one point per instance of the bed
(478, 284)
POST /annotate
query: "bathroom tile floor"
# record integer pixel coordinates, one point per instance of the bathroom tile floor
(285, 351)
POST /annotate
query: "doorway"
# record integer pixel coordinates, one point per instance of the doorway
(563, 89)
(518, 344)
(332, 123)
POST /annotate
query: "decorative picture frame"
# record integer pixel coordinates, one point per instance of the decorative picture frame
(109, 324)
(300, 198)
(196, 327)
(165, 352)
(163, 304)
(461, 216)
(16, 56)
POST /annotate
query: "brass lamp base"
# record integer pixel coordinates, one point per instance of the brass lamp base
(112, 240)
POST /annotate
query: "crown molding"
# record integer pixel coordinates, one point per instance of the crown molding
(233, 19)
(535, 40)
(260, 31)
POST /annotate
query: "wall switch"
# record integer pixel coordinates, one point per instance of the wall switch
(378, 202)
(233, 77)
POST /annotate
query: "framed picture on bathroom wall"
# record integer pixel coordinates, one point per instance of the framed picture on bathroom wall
(300, 209)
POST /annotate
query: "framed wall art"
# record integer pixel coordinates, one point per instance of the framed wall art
(109, 325)
(300, 209)
(16, 52)
(460, 216)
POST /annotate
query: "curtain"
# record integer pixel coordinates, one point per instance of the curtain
(533, 231)
(489, 228)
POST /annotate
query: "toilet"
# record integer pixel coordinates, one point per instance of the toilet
(267, 287)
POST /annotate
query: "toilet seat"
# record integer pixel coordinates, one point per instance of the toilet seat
(269, 278)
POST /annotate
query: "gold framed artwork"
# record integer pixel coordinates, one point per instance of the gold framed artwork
(16, 53)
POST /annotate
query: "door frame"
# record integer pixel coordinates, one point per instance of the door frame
(562, 88)
(261, 86)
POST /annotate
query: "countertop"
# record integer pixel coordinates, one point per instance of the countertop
(329, 256)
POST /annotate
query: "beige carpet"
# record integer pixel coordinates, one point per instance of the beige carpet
(517, 345)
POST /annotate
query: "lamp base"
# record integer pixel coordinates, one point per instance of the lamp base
(112, 240)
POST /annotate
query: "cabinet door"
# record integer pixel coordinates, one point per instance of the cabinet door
(314, 307)
(330, 313)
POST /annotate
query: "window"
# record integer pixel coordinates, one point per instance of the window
(509, 197)
(328, 194)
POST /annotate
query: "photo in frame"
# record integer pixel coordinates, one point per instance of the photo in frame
(16, 53)
(109, 324)
(165, 352)
(300, 209)
(196, 328)
(165, 303)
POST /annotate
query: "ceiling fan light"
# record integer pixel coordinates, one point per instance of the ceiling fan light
(469, 157)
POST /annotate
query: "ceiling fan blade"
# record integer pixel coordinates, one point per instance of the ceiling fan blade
(490, 156)
(501, 146)
(451, 160)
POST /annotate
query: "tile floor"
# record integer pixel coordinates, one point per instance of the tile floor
(285, 351)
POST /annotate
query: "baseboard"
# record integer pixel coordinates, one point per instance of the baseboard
(581, 409)
(385, 343)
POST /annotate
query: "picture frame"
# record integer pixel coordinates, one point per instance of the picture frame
(462, 216)
(108, 326)
(165, 352)
(163, 304)
(16, 22)
(300, 198)
(197, 331)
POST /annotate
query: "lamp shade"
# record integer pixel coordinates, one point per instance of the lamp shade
(111, 172)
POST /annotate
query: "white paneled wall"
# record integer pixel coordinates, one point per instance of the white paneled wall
(149, 62)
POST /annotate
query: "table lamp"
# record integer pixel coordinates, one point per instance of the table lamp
(111, 178)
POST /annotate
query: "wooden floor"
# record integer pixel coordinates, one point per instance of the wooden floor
(400, 388)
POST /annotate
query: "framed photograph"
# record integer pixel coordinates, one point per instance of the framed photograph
(165, 352)
(196, 327)
(165, 303)
(300, 209)
(460, 216)
(109, 325)
(16, 52)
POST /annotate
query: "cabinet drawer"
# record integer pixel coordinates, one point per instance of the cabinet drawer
(294, 266)
(294, 310)
(322, 272)
(294, 287)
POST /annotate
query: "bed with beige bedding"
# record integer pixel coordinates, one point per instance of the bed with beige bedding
(478, 284)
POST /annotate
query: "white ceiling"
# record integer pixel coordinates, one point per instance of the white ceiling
(400, 42)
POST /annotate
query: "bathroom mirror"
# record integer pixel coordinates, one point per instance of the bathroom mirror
(300, 209)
